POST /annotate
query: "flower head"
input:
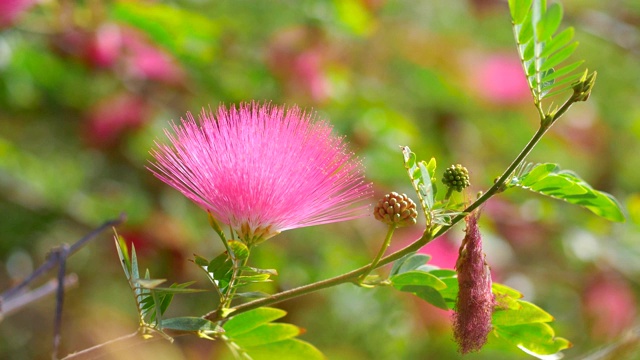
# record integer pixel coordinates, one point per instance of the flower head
(263, 169)
(474, 306)
(396, 209)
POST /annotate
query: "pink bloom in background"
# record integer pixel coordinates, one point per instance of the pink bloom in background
(263, 169)
(111, 118)
(443, 252)
(147, 61)
(610, 304)
(10, 10)
(500, 79)
(105, 46)
(300, 57)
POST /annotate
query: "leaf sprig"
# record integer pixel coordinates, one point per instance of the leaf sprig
(544, 53)
(152, 300)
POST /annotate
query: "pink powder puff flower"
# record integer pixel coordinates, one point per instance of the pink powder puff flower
(474, 306)
(263, 169)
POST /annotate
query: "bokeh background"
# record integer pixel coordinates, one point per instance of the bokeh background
(86, 87)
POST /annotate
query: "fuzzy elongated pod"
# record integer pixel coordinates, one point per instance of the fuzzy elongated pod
(474, 306)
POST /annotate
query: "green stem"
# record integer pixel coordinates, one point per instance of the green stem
(237, 266)
(448, 194)
(351, 276)
(381, 252)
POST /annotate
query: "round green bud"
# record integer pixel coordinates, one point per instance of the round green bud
(456, 177)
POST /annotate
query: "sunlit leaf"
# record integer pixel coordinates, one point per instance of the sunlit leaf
(250, 320)
(419, 278)
(290, 349)
(504, 290)
(526, 313)
(431, 169)
(558, 57)
(549, 180)
(538, 338)
(519, 10)
(549, 23)
(428, 294)
(420, 179)
(266, 333)
(558, 42)
(123, 254)
(240, 250)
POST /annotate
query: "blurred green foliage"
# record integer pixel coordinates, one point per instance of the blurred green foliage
(87, 87)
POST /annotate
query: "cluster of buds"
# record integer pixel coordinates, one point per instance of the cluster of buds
(396, 209)
(456, 177)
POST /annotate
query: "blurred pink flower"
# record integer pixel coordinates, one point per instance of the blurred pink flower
(112, 117)
(263, 169)
(299, 57)
(105, 46)
(307, 68)
(10, 10)
(147, 61)
(610, 304)
(442, 251)
(500, 79)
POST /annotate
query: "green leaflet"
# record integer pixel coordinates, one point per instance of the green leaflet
(422, 178)
(267, 333)
(289, 349)
(255, 335)
(525, 313)
(534, 339)
(417, 278)
(548, 179)
(409, 262)
(250, 320)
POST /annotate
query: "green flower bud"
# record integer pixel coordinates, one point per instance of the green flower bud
(456, 177)
(396, 209)
(582, 88)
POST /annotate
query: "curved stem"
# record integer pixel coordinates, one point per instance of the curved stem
(323, 284)
(383, 249)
